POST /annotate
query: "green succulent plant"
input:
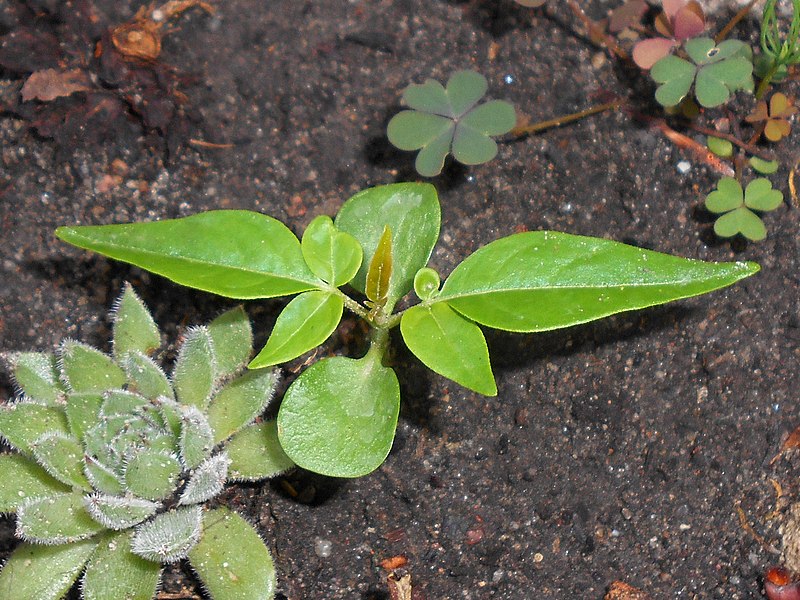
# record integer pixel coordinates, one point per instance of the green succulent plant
(114, 462)
(716, 71)
(449, 120)
(736, 207)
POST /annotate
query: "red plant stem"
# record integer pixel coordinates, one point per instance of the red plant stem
(755, 151)
(723, 33)
(682, 141)
(596, 33)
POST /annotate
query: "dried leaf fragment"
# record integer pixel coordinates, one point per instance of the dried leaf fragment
(619, 590)
(49, 84)
(399, 589)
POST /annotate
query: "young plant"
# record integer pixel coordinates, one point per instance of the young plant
(780, 48)
(114, 462)
(773, 119)
(678, 21)
(448, 120)
(736, 207)
(715, 71)
(339, 416)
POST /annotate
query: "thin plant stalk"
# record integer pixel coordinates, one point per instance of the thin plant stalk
(564, 119)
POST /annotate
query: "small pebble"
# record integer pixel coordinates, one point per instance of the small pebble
(322, 548)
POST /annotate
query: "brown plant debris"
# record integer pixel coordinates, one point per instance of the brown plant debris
(619, 590)
(399, 587)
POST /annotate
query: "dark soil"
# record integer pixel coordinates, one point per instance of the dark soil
(619, 450)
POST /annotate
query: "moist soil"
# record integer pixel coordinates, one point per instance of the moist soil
(638, 448)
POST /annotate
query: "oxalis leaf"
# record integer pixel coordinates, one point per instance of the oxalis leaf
(536, 281)
(339, 417)
(261, 259)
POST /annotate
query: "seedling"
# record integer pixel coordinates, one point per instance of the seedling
(774, 119)
(339, 416)
(449, 120)
(780, 48)
(677, 22)
(715, 71)
(114, 462)
(736, 207)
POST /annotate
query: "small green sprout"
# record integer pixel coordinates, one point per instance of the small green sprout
(114, 462)
(720, 146)
(339, 416)
(449, 120)
(765, 167)
(715, 71)
(736, 207)
(780, 48)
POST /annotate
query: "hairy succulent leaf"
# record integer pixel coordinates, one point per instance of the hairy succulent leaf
(83, 412)
(86, 369)
(145, 376)
(22, 423)
(170, 536)
(256, 453)
(56, 519)
(103, 478)
(195, 369)
(22, 479)
(62, 457)
(197, 438)
(207, 480)
(43, 572)
(134, 328)
(152, 474)
(241, 401)
(36, 375)
(232, 341)
(114, 573)
(232, 560)
(119, 512)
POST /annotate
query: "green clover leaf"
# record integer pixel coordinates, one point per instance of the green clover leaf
(448, 120)
(715, 71)
(736, 207)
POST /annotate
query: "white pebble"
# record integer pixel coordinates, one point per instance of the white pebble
(684, 167)
(322, 547)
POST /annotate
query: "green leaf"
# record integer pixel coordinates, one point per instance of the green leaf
(449, 345)
(134, 328)
(675, 76)
(702, 50)
(170, 536)
(197, 437)
(56, 519)
(62, 457)
(464, 90)
(306, 322)
(380, 269)
(102, 478)
(234, 253)
(430, 160)
(114, 573)
(759, 195)
(43, 572)
(492, 118)
(429, 97)
(241, 401)
(232, 560)
(332, 255)
(742, 220)
(471, 147)
(412, 130)
(86, 369)
(765, 167)
(339, 417)
(426, 283)
(36, 375)
(256, 453)
(728, 196)
(537, 281)
(232, 341)
(145, 376)
(207, 480)
(119, 512)
(411, 210)
(720, 147)
(152, 474)
(195, 369)
(22, 423)
(21, 479)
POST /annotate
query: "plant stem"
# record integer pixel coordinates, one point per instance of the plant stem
(764, 84)
(351, 304)
(755, 151)
(596, 34)
(379, 342)
(734, 21)
(564, 119)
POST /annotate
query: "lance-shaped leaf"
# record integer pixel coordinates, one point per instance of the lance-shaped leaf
(380, 269)
(197, 437)
(119, 512)
(536, 281)
(22, 479)
(36, 375)
(43, 572)
(22, 423)
(241, 401)
(234, 253)
(145, 376)
(332, 255)
(449, 345)
(256, 453)
(232, 560)
(86, 369)
(62, 456)
(306, 322)
(339, 417)
(57, 519)
(195, 369)
(411, 210)
(134, 328)
(83, 412)
(232, 340)
(152, 474)
(207, 480)
(170, 536)
(114, 572)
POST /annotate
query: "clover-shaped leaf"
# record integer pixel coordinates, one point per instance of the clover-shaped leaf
(775, 118)
(679, 21)
(444, 120)
(736, 207)
(715, 71)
